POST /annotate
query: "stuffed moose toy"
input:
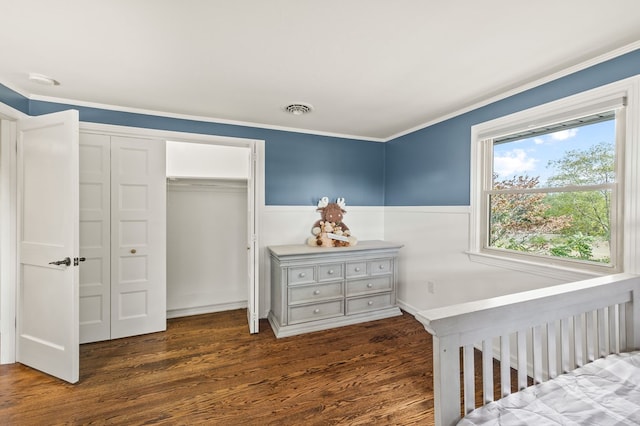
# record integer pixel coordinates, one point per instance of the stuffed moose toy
(330, 230)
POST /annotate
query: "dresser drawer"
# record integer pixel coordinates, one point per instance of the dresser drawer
(330, 272)
(317, 311)
(314, 293)
(302, 275)
(356, 269)
(380, 266)
(370, 303)
(369, 285)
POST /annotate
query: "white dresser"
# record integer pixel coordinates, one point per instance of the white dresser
(316, 288)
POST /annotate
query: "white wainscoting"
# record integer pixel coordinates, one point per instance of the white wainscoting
(435, 240)
(435, 243)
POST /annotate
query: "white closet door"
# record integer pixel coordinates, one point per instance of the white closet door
(95, 234)
(138, 236)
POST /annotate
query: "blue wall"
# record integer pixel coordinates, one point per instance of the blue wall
(13, 99)
(430, 167)
(299, 168)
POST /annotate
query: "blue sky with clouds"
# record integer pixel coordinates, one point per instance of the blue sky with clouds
(531, 156)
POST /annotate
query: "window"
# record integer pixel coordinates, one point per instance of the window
(553, 191)
(550, 187)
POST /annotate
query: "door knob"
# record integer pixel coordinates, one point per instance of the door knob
(66, 261)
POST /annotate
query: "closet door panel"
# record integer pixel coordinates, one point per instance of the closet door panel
(95, 231)
(138, 236)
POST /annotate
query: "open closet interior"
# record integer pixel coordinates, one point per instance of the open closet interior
(207, 232)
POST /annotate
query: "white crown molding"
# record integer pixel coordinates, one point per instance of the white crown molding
(539, 82)
(204, 119)
(567, 71)
(175, 136)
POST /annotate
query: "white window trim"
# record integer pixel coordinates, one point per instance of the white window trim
(560, 110)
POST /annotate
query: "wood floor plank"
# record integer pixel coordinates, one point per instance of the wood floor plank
(208, 369)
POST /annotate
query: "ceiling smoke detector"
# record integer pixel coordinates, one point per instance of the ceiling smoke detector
(298, 108)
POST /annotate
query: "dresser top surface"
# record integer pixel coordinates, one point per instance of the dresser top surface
(303, 249)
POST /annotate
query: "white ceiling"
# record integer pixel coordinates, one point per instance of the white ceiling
(371, 68)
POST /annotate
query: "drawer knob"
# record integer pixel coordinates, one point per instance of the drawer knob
(302, 275)
(316, 311)
(330, 271)
(317, 292)
(369, 285)
(370, 303)
(381, 266)
(357, 269)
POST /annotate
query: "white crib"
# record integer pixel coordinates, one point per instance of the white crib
(541, 333)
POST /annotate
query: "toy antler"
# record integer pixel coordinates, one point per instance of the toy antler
(341, 203)
(324, 202)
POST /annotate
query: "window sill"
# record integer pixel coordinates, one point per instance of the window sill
(548, 269)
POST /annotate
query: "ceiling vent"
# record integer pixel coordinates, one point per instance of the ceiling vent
(298, 108)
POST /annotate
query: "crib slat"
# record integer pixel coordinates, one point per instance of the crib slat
(522, 359)
(487, 370)
(551, 350)
(578, 346)
(631, 313)
(614, 346)
(469, 379)
(622, 313)
(566, 363)
(602, 333)
(537, 354)
(592, 336)
(505, 365)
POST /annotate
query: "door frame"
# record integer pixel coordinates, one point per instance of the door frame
(256, 146)
(8, 231)
(8, 260)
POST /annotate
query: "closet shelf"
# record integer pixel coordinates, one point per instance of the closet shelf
(207, 181)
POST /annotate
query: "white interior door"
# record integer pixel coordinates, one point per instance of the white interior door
(47, 295)
(252, 245)
(138, 236)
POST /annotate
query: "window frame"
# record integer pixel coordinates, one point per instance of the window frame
(625, 232)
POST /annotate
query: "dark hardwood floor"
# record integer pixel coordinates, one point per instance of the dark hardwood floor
(208, 369)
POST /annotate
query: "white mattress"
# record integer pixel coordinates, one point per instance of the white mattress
(604, 392)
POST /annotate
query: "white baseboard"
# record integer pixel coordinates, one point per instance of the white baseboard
(209, 309)
(408, 308)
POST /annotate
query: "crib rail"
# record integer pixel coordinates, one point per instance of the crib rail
(541, 333)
